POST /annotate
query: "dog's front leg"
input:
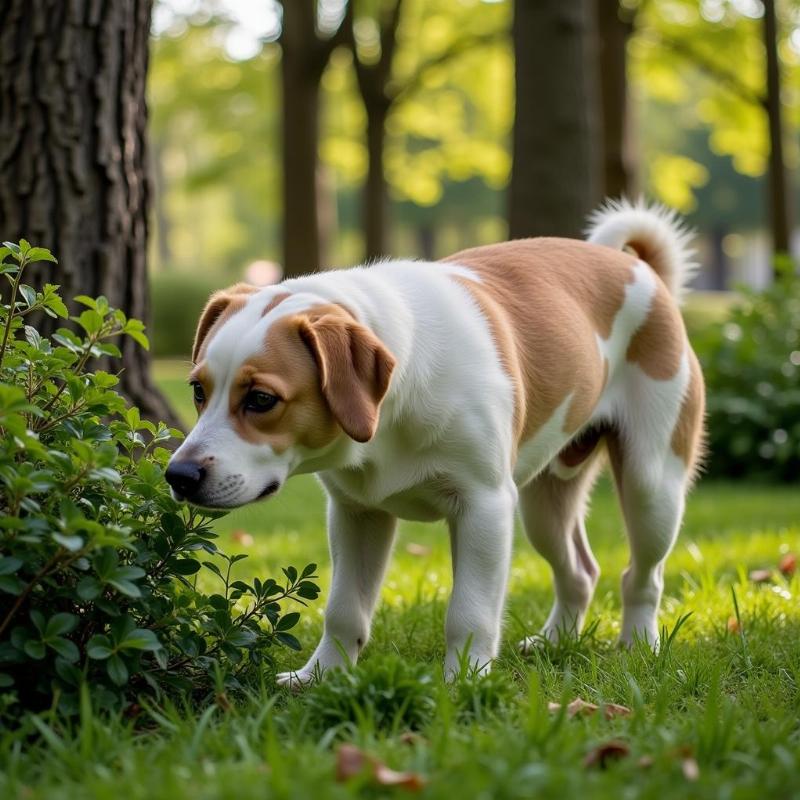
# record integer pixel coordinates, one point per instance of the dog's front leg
(360, 543)
(481, 533)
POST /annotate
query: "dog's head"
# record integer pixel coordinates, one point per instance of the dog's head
(279, 380)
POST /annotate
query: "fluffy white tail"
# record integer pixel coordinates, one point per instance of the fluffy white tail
(654, 232)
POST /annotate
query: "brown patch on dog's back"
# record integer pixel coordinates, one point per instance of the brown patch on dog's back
(547, 300)
(658, 345)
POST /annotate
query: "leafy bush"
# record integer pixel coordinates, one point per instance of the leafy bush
(751, 363)
(96, 559)
(388, 693)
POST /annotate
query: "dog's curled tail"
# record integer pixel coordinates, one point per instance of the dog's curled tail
(654, 232)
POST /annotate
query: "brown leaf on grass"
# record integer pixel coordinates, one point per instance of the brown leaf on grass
(761, 575)
(579, 707)
(733, 625)
(788, 565)
(415, 549)
(352, 762)
(604, 753)
(242, 537)
(645, 762)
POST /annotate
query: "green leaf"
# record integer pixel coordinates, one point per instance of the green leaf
(35, 649)
(126, 587)
(40, 254)
(59, 624)
(71, 543)
(184, 566)
(11, 584)
(88, 588)
(117, 670)
(288, 640)
(28, 293)
(65, 648)
(139, 338)
(99, 647)
(9, 564)
(288, 621)
(310, 569)
(141, 639)
(90, 321)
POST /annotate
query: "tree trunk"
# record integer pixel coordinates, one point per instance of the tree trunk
(614, 30)
(553, 178)
(304, 56)
(73, 160)
(300, 106)
(375, 198)
(780, 213)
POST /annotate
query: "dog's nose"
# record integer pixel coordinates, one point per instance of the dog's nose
(185, 477)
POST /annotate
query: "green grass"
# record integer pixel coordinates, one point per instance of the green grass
(731, 699)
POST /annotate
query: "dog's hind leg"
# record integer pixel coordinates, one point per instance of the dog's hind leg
(553, 511)
(653, 460)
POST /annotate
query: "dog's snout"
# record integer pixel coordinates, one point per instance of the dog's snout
(185, 477)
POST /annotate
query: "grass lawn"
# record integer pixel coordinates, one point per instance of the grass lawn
(722, 697)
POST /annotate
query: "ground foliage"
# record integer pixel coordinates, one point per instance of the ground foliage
(98, 563)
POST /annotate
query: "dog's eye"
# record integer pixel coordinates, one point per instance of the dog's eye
(199, 393)
(260, 401)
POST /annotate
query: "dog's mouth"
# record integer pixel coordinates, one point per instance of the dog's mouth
(269, 489)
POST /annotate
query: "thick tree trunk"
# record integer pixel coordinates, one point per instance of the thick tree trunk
(614, 30)
(780, 213)
(73, 160)
(375, 199)
(300, 106)
(553, 177)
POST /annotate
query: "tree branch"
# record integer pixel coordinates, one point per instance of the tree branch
(455, 50)
(729, 79)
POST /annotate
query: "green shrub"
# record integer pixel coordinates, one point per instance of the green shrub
(751, 362)
(98, 564)
(177, 300)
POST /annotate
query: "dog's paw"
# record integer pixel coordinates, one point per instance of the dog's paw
(530, 644)
(296, 681)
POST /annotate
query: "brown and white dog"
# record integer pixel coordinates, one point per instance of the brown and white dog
(461, 389)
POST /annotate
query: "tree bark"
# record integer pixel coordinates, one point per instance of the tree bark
(304, 55)
(614, 25)
(554, 181)
(73, 156)
(780, 213)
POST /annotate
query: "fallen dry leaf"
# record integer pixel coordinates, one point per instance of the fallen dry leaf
(690, 769)
(584, 708)
(788, 565)
(645, 762)
(242, 537)
(352, 762)
(604, 753)
(761, 575)
(733, 625)
(415, 549)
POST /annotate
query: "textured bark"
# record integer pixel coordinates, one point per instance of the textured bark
(780, 212)
(73, 169)
(304, 55)
(554, 181)
(615, 25)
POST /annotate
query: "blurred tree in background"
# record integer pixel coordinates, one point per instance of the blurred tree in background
(73, 156)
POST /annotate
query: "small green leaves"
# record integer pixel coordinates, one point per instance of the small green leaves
(101, 583)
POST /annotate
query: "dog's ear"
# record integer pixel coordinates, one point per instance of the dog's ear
(226, 300)
(354, 369)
